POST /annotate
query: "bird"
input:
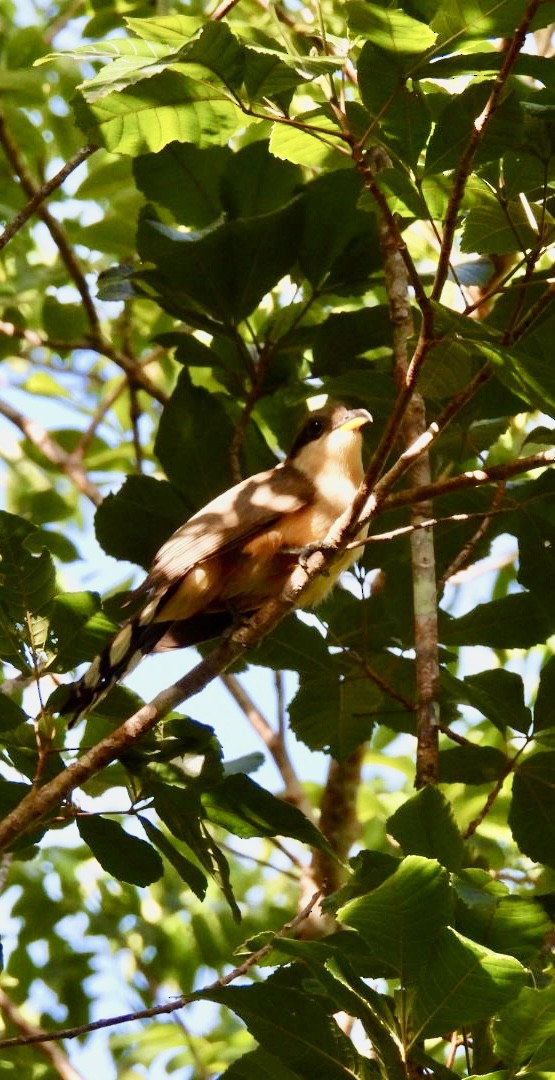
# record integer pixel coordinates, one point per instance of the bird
(238, 551)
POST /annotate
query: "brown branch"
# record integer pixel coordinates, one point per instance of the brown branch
(34, 192)
(41, 193)
(338, 822)
(467, 157)
(373, 493)
(465, 554)
(472, 478)
(29, 1033)
(274, 741)
(186, 999)
(40, 803)
(223, 9)
(496, 790)
(134, 370)
(67, 463)
(426, 523)
(412, 427)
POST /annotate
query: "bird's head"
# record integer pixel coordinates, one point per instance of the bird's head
(330, 439)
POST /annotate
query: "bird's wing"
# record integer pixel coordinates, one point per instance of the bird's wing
(229, 520)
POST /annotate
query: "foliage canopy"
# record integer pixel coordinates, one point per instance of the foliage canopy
(213, 215)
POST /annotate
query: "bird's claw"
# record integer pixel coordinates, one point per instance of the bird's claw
(305, 553)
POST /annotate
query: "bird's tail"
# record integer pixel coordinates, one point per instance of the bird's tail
(135, 640)
(119, 658)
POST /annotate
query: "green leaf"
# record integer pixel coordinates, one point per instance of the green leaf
(223, 272)
(471, 765)
(461, 983)
(424, 825)
(191, 415)
(524, 1025)
(11, 714)
(401, 919)
(499, 695)
(245, 809)
(187, 870)
(185, 179)
(258, 183)
(78, 630)
(391, 29)
(401, 116)
(486, 913)
(333, 231)
(471, 19)
(293, 646)
(135, 522)
(182, 812)
(259, 1065)
(168, 107)
(455, 125)
(532, 812)
(494, 229)
(293, 1026)
(314, 141)
(516, 621)
(28, 583)
(335, 713)
(125, 857)
(544, 707)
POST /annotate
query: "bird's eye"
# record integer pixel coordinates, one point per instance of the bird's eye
(314, 428)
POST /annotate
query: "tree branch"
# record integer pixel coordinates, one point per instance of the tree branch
(29, 1033)
(275, 743)
(467, 157)
(40, 193)
(170, 1007)
(472, 478)
(35, 193)
(42, 441)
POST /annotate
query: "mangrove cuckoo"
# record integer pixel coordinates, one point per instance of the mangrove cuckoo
(238, 551)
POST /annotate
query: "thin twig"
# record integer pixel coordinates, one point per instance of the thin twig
(273, 740)
(465, 554)
(42, 193)
(473, 478)
(179, 1003)
(35, 193)
(508, 769)
(467, 157)
(29, 1033)
(42, 441)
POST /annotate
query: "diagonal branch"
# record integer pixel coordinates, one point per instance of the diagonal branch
(40, 438)
(467, 157)
(34, 193)
(179, 1003)
(274, 741)
(42, 193)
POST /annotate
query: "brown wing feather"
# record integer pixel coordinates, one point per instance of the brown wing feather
(228, 521)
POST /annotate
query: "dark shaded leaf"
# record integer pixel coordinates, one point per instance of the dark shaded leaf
(184, 179)
(532, 812)
(135, 522)
(125, 857)
(187, 870)
(242, 807)
(516, 621)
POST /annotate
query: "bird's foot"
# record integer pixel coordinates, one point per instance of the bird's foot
(305, 553)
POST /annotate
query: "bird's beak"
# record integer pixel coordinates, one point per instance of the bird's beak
(357, 418)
